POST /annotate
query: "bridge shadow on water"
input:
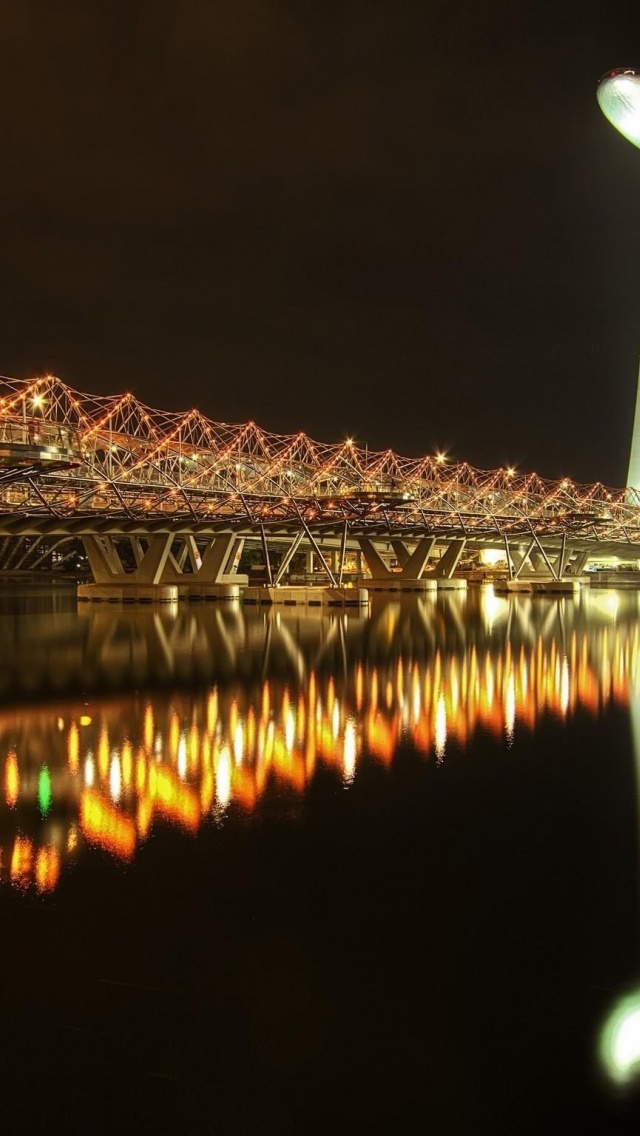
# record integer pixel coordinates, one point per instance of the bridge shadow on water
(271, 871)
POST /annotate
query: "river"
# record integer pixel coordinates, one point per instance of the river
(290, 871)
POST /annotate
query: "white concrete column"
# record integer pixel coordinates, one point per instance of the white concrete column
(104, 561)
(373, 559)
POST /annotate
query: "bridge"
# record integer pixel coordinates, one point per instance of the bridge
(166, 500)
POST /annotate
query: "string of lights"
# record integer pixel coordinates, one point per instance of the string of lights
(122, 458)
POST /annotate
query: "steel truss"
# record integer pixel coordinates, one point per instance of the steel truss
(136, 468)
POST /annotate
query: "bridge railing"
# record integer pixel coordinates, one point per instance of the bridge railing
(34, 433)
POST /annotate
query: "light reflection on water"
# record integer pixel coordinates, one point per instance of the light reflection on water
(254, 703)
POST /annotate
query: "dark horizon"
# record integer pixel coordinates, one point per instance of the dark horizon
(413, 228)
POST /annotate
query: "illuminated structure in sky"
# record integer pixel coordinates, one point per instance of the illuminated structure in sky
(618, 95)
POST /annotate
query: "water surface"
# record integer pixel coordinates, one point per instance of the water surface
(284, 871)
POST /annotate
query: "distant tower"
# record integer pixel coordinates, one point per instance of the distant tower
(618, 95)
(633, 476)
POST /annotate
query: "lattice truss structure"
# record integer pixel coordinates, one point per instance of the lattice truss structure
(126, 460)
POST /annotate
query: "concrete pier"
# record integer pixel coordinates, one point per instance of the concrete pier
(310, 597)
(452, 584)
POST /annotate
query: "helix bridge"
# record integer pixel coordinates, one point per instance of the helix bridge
(81, 466)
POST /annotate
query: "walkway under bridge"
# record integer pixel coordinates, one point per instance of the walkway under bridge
(160, 498)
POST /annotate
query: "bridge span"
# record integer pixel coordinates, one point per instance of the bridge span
(162, 499)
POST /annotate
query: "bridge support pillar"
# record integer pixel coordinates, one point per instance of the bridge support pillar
(536, 570)
(577, 563)
(410, 577)
(160, 573)
(446, 566)
(213, 574)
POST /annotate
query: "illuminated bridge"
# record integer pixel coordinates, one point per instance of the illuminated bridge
(159, 498)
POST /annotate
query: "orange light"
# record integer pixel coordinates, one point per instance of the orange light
(127, 763)
(73, 748)
(106, 826)
(103, 754)
(21, 861)
(12, 780)
(173, 799)
(47, 868)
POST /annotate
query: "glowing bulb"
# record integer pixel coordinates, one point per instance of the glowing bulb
(620, 1040)
(618, 95)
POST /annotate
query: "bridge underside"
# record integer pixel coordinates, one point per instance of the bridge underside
(162, 552)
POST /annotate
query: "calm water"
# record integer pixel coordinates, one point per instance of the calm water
(286, 872)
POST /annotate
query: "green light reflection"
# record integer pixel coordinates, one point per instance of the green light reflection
(44, 790)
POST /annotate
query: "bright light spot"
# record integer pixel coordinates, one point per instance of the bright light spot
(440, 457)
(11, 780)
(564, 686)
(605, 602)
(238, 743)
(440, 727)
(85, 720)
(290, 730)
(73, 748)
(510, 471)
(182, 756)
(349, 751)
(619, 100)
(510, 707)
(37, 400)
(89, 771)
(335, 719)
(620, 1040)
(491, 556)
(223, 778)
(492, 606)
(115, 779)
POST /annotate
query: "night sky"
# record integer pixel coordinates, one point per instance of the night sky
(405, 222)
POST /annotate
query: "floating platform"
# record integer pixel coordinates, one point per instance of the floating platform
(222, 593)
(427, 585)
(309, 597)
(128, 593)
(422, 587)
(627, 580)
(567, 586)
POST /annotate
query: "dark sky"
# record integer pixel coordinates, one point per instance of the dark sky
(408, 222)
